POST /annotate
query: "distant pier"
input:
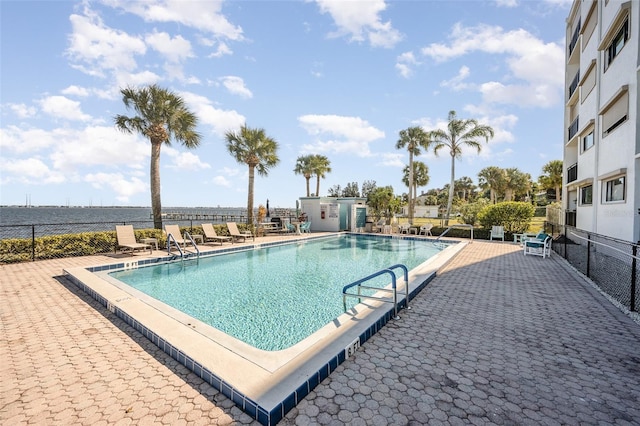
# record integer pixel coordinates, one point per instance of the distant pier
(210, 217)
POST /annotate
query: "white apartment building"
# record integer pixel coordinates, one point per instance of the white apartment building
(602, 128)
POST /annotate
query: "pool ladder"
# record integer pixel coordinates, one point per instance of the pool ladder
(392, 290)
(171, 239)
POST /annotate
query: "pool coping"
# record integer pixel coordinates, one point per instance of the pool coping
(266, 388)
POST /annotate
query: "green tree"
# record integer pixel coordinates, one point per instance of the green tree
(465, 187)
(161, 115)
(367, 187)
(514, 216)
(420, 178)
(320, 165)
(335, 191)
(304, 167)
(552, 177)
(470, 211)
(459, 133)
(412, 139)
(493, 179)
(517, 184)
(351, 190)
(383, 202)
(255, 149)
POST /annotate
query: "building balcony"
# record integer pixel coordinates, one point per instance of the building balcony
(573, 128)
(574, 84)
(574, 38)
(572, 173)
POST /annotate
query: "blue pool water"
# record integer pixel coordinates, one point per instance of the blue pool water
(274, 297)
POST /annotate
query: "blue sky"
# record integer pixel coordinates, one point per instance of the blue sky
(336, 78)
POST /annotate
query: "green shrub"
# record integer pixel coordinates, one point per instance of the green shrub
(514, 216)
(470, 211)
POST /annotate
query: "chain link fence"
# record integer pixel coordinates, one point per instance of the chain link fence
(610, 263)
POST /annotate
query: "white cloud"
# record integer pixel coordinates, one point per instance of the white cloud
(539, 66)
(16, 140)
(405, 63)
(235, 85)
(28, 171)
(124, 187)
(506, 3)
(222, 181)
(457, 83)
(219, 120)
(96, 48)
(64, 108)
(174, 49)
(361, 20)
(74, 90)
(22, 110)
(186, 160)
(339, 134)
(205, 16)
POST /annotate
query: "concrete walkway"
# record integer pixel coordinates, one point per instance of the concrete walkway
(497, 338)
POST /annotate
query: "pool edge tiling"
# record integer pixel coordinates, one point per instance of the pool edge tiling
(263, 393)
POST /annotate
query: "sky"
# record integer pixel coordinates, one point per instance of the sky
(335, 78)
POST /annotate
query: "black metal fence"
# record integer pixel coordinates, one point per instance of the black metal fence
(23, 243)
(610, 263)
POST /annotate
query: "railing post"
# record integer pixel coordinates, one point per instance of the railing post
(632, 304)
(33, 243)
(566, 237)
(588, 254)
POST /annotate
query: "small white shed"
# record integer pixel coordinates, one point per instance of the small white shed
(333, 214)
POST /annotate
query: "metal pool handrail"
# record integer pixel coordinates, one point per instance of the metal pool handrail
(171, 238)
(393, 289)
(459, 225)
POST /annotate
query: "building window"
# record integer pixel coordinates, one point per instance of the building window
(587, 141)
(617, 44)
(586, 195)
(614, 190)
(615, 112)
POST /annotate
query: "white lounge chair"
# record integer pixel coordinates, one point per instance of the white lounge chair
(127, 240)
(403, 228)
(538, 246)
(426, 229)
(211, 235)
(497, 232)
(236, 234)
(174, 230)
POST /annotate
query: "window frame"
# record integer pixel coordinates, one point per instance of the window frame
(583, 138)
(613, 49)
(583, 193)
(608, 190)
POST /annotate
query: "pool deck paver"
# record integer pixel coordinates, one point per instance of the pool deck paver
(496, 338)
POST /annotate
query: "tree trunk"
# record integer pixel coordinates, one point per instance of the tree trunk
(317, 185)
(154, 173)
(308, 185)
(451, 190)
(558, 194)
(250, 195)
(410, 184)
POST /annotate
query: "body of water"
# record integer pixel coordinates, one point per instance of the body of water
(23, 222)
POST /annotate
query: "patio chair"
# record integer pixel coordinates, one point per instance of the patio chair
(127, 240)
(539, 246)
(211, 235)
(497, 232)
(378, 226)
(426, 229)
(236, 234)
(305, 227)
(174, 230)
(403, 228)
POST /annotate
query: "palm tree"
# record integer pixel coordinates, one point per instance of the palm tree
(320, 166)
(465, 186)
(255, 149)
(552, 177)
(412, 139)
(161, 116)
(494, 179)
(420, 178)
(517, 184)
(304, 168)
(459, 133)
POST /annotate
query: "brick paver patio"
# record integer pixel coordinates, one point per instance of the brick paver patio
(496, 338)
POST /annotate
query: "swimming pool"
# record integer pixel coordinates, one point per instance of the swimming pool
(264, 384)
(275, 297)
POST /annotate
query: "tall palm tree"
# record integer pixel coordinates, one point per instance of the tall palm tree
(459, 133)
(517, 184)
(420, 178)
(161, 116)
(413, 139)
(304, 168)
(552, 177)
(320, 166)
(255, 149)
(492, 178)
